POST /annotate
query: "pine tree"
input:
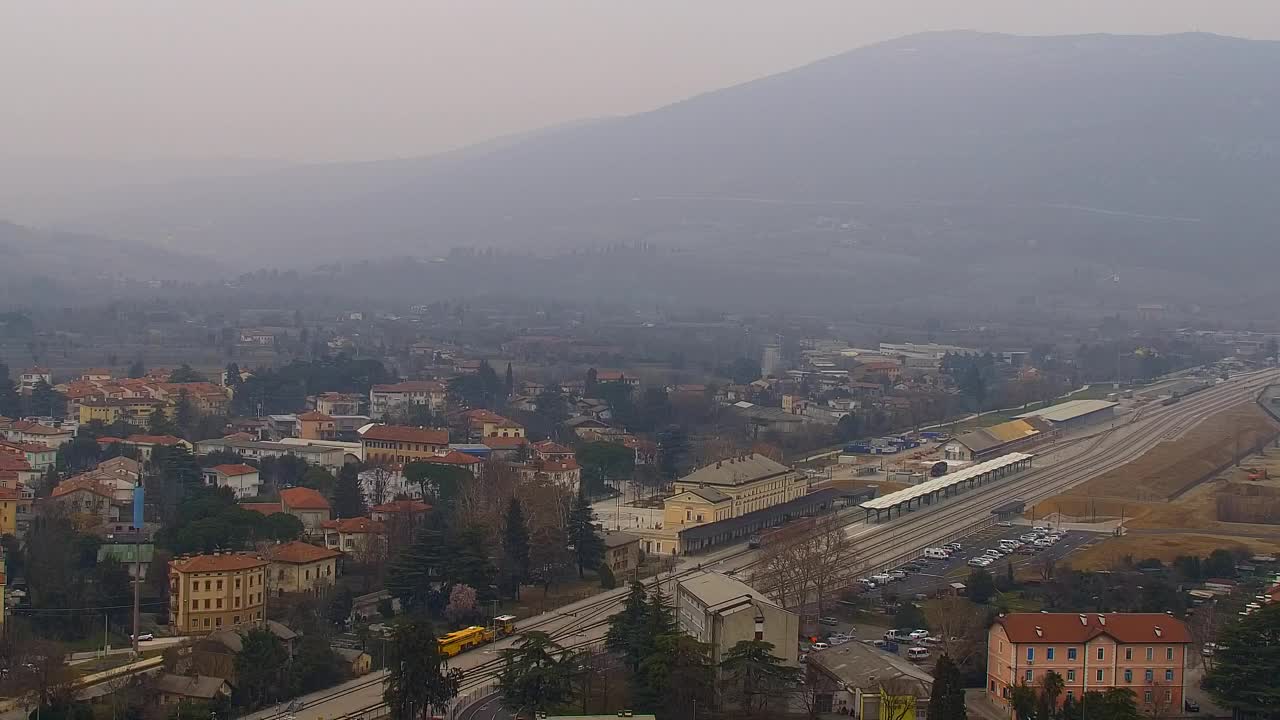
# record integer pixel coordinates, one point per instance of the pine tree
(9, 399)
(626, 628)
(947, 701)
(589, 385)
(510, 382)
(348, 500)
(232, 375)
(420, 681)
(515, 548)
(414, 575)
(587, 544)
(185, 415)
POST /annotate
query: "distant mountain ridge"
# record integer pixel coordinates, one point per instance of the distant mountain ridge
(1125, 151)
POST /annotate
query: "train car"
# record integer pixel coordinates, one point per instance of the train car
(939, 469)
(462, 640)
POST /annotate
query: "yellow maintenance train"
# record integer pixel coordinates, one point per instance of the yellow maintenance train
(462, 640)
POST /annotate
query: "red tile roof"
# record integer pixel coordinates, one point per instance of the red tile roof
(453, 457)
(314, 416)
(217, 563)
(8, 493)
(298, 552)
(303, 498)
(234, 470)
(34, 428)
(548, 447)
(1126, 628)
(401, 506)
(405, 433)
(67, 487)
(167, 440)
(354, 526)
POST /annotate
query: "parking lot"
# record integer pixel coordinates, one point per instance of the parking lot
(938, 574)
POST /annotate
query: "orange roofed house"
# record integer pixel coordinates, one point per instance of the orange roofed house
(399, 444)
(1145, 653)
(208, 593)
(296, 567)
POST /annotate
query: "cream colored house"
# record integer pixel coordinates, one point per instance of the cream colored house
(208, 593)
(299, 567)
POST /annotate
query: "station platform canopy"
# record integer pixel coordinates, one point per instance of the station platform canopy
(939, 484)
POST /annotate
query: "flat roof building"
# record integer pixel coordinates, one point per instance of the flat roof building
(721, 611)
(1074, 413)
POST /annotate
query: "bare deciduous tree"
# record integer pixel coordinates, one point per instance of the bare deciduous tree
(808, 563)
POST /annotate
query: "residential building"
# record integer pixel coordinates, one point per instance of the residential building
(325, 456)
(31, 377)
(136, 411)
(145, 444)
(454, 458)
(1146, 653)
(242, 479)
(309, 506)
(617, 376)
(335, 403)
(566, 473)
(399, 444)
(410, 511)
(505, 448)
(483, 423)
(721, 611)
(89, 501)
(208, 593)
(358, 662)
(357, 537)
(10, 498)
(548, 450)
(299, 567)
(849, 679)
(384, 399)
(38, 457)
(170, 689)
(317, 426)
(26, 431)
(621, 553)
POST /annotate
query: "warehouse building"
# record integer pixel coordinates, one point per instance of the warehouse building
(989, 442)
(1073, 414)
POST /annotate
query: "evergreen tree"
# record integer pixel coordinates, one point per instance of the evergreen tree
(587, 544)
(676, 679)
(515, 548)
(232, 376)
(510, 382)
(158, 423)
(607, 579)
(414, 575)
(659, 616)
(10, 401)
(184, 374)
(259, 667)
(48, 482)
(467, 552)
(589, 386)
(46, 401)
(185, 415)
(137, 369)
(348, 499)
(754, 677)
(419, 681)
(626, 628)
(947, 701)
(537, 674)
(1244, 677)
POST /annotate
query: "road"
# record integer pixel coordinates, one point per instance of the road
(880, 545)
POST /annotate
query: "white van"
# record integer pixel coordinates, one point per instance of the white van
(937, 553)
(917, 653)
(881, 579)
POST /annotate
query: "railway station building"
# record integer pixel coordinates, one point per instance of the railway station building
(932, 491)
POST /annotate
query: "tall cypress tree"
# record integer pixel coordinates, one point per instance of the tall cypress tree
(348, 499)
(510, 382)
(587, 544)
(947, 700)
(515, 548)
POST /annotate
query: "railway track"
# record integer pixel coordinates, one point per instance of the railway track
(911, 532)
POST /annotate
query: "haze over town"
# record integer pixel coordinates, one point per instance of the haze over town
(676, 360)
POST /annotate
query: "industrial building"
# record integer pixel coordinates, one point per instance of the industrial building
(721, 611)
(989, 442)
(1073, 414)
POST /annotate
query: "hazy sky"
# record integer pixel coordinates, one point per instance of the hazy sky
(356, 79)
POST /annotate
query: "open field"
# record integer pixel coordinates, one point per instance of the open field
(1111, 553)
(1175, 466)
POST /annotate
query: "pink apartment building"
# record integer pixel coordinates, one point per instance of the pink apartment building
(1142, 652)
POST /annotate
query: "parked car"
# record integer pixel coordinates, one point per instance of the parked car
(977, 562)
(143, 637)
(918, 634)
(1029, 537)
(898, 574)
(804, 658)
(1190, 706)
(954, 546)
(898, 635)
(1004, 523)
(828, 621)
(819, 646)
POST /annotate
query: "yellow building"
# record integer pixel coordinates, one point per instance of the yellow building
(9, 498)
(137, 411)
(212, 592)
(721, 491)
(399, 444)
(297, 567)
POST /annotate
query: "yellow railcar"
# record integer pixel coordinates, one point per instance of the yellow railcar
(462, 640)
